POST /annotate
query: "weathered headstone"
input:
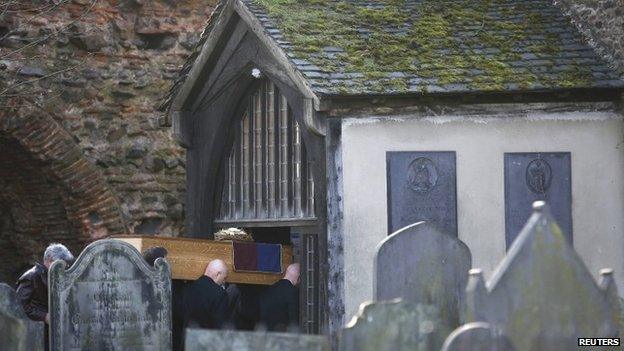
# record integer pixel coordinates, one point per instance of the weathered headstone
(422, 187)
(13, 333)
(110, 299)
(422, 265)
(11, 308)
(531, 177)
(542, 296)
(226, 340)
(477, 336)
(392, 325)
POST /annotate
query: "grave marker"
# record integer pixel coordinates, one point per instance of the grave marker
(477, 336)
(392, 325)
(422, 265)
(28, 333)
(110, 299)
(542, 295)
(226, 340)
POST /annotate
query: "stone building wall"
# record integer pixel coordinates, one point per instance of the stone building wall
(80, 84)
(602, 21)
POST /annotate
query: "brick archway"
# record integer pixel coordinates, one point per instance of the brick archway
(84, 190)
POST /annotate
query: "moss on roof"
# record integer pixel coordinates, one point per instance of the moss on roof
(398, 46)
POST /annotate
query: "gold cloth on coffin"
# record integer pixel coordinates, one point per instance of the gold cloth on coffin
(188, 257)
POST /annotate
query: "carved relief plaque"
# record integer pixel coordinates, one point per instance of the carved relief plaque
(537, 176)
(422, 187)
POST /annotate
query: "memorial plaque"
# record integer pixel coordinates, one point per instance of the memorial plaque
(422, 187)
(110, 299)
(531, 177)
(11, 307)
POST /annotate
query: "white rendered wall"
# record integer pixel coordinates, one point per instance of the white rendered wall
(596, 143)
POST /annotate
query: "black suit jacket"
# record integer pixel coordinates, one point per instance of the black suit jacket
(279, 306)
(205, 304)
(32, 292)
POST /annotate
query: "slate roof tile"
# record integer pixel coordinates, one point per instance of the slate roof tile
(415, 46)
(464, 44)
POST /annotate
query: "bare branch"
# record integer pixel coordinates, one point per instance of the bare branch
(11, 87)
(46, 37)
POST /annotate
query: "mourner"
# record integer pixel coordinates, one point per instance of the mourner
(279, 304)
(32, 286)
(205, 301)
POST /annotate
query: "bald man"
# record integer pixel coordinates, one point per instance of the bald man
(279, 304)
(205, 300)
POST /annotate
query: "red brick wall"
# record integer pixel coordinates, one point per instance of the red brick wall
(32, 210)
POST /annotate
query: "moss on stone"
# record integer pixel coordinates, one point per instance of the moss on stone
(427, 39)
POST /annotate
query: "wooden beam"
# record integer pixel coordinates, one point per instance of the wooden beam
(278, 54)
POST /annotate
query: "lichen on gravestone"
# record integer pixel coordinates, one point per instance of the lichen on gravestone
(542, 295)
(393, 325)
(422, 265)
(25, 333)
(110, 290)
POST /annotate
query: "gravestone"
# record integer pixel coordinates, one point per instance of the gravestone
(13, 333)
(110, 299)
(422, 265)
(392, 325)
(11, 307)
(533, 177)
(226, 340)
(542, 295)
(422, 187)
(477, 336)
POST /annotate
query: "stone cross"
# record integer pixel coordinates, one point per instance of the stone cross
(28, 334)
(542, 295)
(226, 340)
(393, 325)
(422, 265)
(110, 299)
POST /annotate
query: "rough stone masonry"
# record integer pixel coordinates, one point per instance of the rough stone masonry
(94, 71)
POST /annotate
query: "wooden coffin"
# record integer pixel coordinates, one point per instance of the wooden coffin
(188, 258)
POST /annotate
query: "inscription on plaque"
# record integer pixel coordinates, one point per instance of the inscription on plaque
(422, 187)
(110, 299)
(537, 176)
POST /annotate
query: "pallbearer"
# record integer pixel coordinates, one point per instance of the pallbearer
(279, 304)
(205, 301)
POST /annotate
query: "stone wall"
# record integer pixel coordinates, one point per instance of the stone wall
(602, 21)
(100, 69)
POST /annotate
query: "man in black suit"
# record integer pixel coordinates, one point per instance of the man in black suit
(279, 304)
(205, 302)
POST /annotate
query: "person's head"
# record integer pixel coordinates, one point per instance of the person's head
(292, 273)
(150, 255)
(55, 252)
(217, 270)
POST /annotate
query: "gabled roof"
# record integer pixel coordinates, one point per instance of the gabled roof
(388, 47)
